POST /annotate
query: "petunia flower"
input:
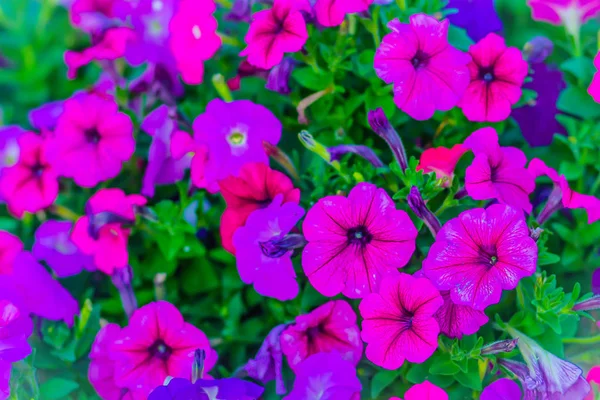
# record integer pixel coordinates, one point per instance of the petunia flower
(442, 161)
(205, 389)
(91, 15)
(109, 47)
(594, 88)
(233, 135)
(422, 391)
(15, 329)
(150, 22)
(456, 320)
(92, 140)
(497, 172)
(478, 17)
(158, 81)
(337, 152)
(480, 253)
(53, 245)
(502, 389)
(273, 32)
(32, 183)
(572, 14)
(256, 187)
(268, 363)
(538, 49)
(10, 247)
(193, 38)
(156, 344)
(325, 376)
(593, 376)
(102, 368)
(428, 74)
(497, 74)
(545, 376)
(264, 252)
(537, 119)
(398, 321)
(354, 241)
(562, 195)
(330, 327)
(9, 145)
(31, 288)
(333, 12)
(101, 234)
(45, 117)
(163, 168)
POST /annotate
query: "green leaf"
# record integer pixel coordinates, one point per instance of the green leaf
(57, 388)
(548, 258)
(445, 367)
(310, 79)
(576, 101)
(470, 378)
(581, 67)
(381, 380)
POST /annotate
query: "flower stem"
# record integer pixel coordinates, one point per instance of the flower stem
(219, 83)
(585, 340)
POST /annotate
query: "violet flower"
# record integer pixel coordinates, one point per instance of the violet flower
(15, 329)
(221, 389)
(417, 204)
(538, 49)
(44, 117)
(122, 278)
(337, 152)
(593, 303)
(158, 81)
(268, 363)
(381, 125)
(477, 17)
(278, 78)
(501, 346)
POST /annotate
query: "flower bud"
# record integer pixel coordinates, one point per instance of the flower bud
(417, 204)
(382, 127)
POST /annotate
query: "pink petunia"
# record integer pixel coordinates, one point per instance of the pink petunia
(332, 12)
(329, 327)
(568, 198)
(32, 183)
(194, 38)
(497, 74)
(442, 161)
(263, 255)
(480, 253)
(101, 234)
(273, 32)
(570, 13)
(91, 15)
(10, 247)
(254, 188)
(156, 344)
(102, 368)
(497, 172)
(424, 391)
(92, 140)
(398, 322)
(428, 74)
(111, 46)
(354, 241)
(593, 376)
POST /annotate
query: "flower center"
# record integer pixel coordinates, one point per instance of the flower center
(160, 349)
(196, 32)
(157, 5)
(486, 74)
(92, 135)
(38, 170)
(419, 60)
(236, 138)
(359, 235)
(488, 255)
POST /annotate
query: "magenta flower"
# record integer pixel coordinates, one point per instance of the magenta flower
(480, 253)
(497, 74)
(233, 134)
(15, 329)
(594, 88)
(562, 194)
(456, 320)
(422, 391)
(91, 15)
(497, 172)
(273, 32)
(101, 234)
(92, 140)
(264, 252)
(163, 168)
(354, 241)
(268, 363)
(428, 74)
(109, 47)
(570, 13)
(193, 38)
(32, 183)
(325, 376)
(53, 245)
(398, 322)
(102, 368)
(31, 288)
(442, 161)
(501, 389)
(330, 327)
(333, 12)
(156, 344)
(10, 247)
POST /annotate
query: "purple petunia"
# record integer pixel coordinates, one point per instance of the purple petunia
(477, 17)
(217, 389)
(15, 329)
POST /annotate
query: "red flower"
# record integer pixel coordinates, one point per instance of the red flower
(254, 188)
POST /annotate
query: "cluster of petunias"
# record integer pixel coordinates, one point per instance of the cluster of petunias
(351, 244)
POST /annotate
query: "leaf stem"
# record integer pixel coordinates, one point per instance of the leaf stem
(584, 340)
